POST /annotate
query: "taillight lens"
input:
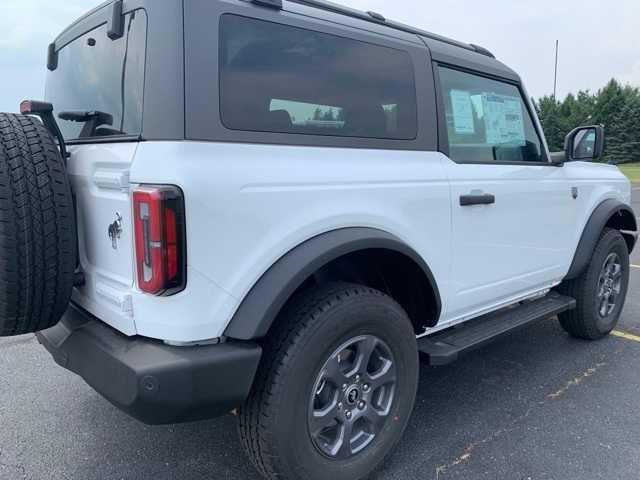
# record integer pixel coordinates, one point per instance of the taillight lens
(159, 228)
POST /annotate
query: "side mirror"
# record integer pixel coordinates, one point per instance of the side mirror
(584, 143)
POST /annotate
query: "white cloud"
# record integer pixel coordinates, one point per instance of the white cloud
(631, 76)
(27, 27)
(25, 22)
(596, 42)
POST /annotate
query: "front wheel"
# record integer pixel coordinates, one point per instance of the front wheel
(336, 386)
(600, 291)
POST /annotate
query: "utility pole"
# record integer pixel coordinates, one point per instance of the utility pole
(555, 75)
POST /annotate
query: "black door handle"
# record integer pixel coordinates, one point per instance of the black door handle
(482, 199)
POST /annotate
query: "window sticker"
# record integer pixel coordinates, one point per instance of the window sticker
(504, 120)
(462, 112)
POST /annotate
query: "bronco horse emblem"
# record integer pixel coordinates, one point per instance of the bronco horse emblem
(115, 229)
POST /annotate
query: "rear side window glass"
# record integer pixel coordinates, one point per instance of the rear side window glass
(487, 120)
(277, 78)
(97, 89)
(309, 115)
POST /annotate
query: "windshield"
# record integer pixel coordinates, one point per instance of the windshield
(97, 88)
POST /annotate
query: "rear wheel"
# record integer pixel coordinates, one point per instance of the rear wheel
(336, 386)
(600, 291)
(37, 228)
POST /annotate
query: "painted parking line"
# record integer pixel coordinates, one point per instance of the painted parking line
(635, 266)
(626, 336)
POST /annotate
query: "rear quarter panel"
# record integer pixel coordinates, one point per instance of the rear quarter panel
(248, 205)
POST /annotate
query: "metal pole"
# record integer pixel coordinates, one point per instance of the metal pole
(555, 75)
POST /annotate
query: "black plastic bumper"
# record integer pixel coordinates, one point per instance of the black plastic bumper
(149, 380)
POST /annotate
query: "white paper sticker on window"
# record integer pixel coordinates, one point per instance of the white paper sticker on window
(503, 119)
(462, 112)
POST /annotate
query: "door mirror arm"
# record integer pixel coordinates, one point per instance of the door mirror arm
(558, 158)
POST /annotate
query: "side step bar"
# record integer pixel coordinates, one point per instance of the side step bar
(444, 347)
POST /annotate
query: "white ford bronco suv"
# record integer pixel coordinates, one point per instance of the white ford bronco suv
(276, 207)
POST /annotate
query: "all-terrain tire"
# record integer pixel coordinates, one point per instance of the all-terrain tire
(273, 422)
(37, 228)
(585, 321)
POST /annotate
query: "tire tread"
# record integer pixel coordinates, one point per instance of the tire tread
(254, 432)
(578, 322)
(37, 228)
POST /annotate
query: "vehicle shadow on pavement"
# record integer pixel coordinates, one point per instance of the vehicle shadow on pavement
(469, 414)
(510, 410)
(459, 409)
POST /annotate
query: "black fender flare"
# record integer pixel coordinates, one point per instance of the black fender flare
(259, 308)
(604, 213)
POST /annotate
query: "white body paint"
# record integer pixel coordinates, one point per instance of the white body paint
(248, 205)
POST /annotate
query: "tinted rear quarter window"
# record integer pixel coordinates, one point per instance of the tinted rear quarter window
(283, 79)
(97, 74)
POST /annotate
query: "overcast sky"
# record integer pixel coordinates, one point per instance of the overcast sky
(598, 39)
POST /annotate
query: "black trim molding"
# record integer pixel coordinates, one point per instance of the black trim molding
(596, 223)
(259, 309)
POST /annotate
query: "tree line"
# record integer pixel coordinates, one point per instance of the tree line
(615, 106)
(328, 115)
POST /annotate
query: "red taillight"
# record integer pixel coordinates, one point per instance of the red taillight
(158, 217)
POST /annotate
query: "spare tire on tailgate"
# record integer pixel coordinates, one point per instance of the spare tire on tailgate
(37, 228)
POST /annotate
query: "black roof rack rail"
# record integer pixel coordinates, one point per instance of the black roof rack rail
(78, 20)
(379, 19)
(482, 50)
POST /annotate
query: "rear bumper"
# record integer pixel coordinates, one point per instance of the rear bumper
(147, 379)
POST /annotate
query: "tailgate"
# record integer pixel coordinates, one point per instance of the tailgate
(100, 182)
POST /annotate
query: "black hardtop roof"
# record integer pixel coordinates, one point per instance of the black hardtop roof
(378, 18)
(72, 25)
(442, 49)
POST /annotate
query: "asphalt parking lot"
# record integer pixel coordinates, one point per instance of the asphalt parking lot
(536, 405)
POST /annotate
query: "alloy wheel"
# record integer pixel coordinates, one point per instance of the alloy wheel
(352, 397)
(609, 285)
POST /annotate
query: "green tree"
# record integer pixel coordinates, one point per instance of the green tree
(624, 146)
(549, 114)
(329, 115)
(615, 106)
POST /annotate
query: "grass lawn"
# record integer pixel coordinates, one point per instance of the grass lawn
(631, 170)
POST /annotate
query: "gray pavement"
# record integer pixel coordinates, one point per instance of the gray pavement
(536, 405)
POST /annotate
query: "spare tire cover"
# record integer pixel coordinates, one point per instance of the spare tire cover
(37, 228)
